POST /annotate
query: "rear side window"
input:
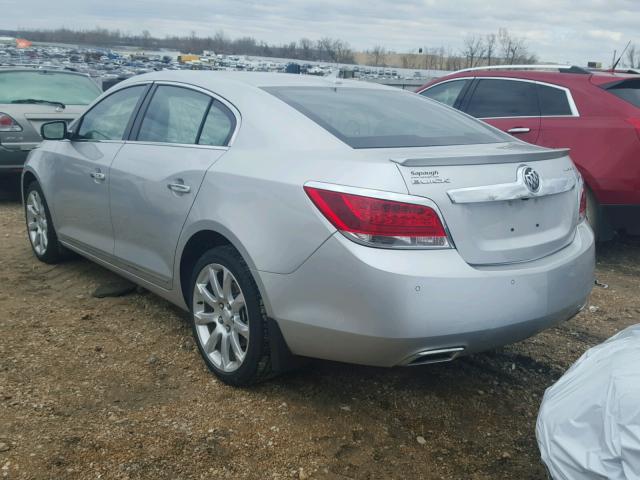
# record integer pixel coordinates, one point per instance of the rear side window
(628, 90)
(109, 118)
(447, 92)
(174, 115)
(218, 126)
(504, 98)
(372, 118)
(553, 101)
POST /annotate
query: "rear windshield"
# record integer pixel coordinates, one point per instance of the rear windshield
(370, 118)
(628, 90)
(50, 86)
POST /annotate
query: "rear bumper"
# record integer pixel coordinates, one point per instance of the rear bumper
(381, 307)
(12, 160)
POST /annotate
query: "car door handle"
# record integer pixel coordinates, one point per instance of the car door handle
(519, 130)
(98, 176)
(179, 187)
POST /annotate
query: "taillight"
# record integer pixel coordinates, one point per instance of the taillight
(582, 210)
(8, 124)
(380, 222)
(636, 124)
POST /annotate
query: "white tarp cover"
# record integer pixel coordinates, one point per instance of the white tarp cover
(589, 421)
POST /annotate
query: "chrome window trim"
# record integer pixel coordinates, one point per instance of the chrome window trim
(572, 104)
(384, 195)
(445, 81)
(511, 191)
(177, 145)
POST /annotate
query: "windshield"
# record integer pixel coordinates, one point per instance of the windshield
(65, 88)
(371, 118)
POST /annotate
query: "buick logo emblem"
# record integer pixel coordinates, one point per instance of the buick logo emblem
(531, 179)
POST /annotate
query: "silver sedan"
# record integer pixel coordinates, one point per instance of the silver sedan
(299, 216)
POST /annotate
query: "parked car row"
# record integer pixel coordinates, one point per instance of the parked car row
(307, 216)
(596, 114)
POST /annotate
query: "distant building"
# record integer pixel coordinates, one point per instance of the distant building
(7, 41)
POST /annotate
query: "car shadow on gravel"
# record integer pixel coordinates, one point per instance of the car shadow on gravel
(9, 189)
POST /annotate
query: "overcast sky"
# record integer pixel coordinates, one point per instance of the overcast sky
(556, 30)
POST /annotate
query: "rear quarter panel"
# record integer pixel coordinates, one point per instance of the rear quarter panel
(254, 194)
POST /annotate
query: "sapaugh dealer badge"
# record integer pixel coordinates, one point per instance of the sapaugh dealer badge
(427, 177)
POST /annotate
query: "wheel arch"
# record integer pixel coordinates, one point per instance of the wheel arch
(28, 176)
(204, 237)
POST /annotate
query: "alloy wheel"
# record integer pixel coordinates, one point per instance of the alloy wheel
(221, 317)
(37, 223)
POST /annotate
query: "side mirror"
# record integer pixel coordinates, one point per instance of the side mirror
(54, 130)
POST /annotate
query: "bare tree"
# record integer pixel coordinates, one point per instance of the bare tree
(474, 50)
(378, 55)
(490, 47)
(305, 48)
(514, 49)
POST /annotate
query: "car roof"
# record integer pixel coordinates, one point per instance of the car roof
(214, 80)
(267, 113)
(565, 77)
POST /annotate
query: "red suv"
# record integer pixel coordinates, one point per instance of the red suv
(594, 113)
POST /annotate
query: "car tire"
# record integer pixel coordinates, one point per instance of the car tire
(593, 211)
(40, 230)
(597, 219)
(228, 319)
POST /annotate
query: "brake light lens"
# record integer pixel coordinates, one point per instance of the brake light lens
(381, 222)
(8, 124)
(636, 124)
(582, 210)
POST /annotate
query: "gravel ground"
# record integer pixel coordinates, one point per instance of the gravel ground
(114, 388)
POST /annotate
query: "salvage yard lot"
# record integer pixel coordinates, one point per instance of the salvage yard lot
(114, 388)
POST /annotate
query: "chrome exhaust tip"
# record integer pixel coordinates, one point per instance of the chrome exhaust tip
(433, 356)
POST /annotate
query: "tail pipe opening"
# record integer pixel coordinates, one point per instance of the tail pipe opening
(433, 356)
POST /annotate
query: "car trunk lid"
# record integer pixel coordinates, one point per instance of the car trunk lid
(31, 117)
(39, 116)
(495, 210)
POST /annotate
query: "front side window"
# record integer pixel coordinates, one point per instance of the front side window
(553, 101)
(382, 118)
(174, 115)
(446, 92)
(504, 98)
(47, 86)
(109, 118)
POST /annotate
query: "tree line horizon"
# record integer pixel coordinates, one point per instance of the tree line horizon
(477, 50)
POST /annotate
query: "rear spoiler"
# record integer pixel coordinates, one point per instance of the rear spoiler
(519, 157)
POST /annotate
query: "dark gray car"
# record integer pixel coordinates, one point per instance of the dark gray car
(31, 97)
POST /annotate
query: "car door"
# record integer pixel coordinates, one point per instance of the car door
(80, 182)
(155, 177)
(560, 124)
(508, 104)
